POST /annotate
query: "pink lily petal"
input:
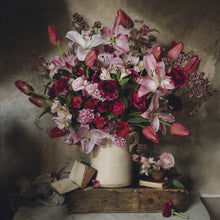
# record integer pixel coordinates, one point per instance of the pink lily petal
(116, 25)
(147, 85)
(75, 37)
(106, 32)
(167, 83)
(160, 67)
(155, 123)
(86, 145)
(96, 40)
(163, 129)
(167, 117)
(122, 44)
(149, 63)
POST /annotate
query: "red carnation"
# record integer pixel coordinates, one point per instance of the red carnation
(76, 100)
(100, 122)
(91, 104)
(118, 107)
(179, 76)
(123, 129)
(56, 132)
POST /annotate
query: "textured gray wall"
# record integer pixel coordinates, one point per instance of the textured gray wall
(25, 146)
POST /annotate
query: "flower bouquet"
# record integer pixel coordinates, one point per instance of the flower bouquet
(114, 80)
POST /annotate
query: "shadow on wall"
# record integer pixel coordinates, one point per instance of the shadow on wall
(20, 156)
(24, 26)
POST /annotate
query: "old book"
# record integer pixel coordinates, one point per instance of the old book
(63, 186)
(81, 174)
(155, 184)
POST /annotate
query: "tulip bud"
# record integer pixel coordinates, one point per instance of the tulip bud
(157, 52)
(175, 50)
(37, 100)
(149, 133)
(91, 58)
(24, 87)
(54, 37)
(179, 130)
(192, 65)
(125, 20)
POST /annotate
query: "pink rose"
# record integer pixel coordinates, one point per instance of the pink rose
(108, 89)
(167, 160)
(61, 85)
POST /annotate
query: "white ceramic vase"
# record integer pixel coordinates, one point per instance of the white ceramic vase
(113, 163)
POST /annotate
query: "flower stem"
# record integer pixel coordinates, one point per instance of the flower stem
(87, 71)
(60, 49)
(35, 93)
(166, 123)
(182, 216)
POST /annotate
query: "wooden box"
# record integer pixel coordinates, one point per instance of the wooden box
(141, 199)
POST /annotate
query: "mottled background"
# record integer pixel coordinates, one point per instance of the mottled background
(26, 149)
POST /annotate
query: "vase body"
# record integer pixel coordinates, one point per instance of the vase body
(113, 163)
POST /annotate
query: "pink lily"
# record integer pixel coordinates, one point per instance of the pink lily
(86, 138)
(193, 64)
(154, 115)
(179, 130)
(156, 79)
(119, 40)
(85, 42)
(67, 62)
(175, 50)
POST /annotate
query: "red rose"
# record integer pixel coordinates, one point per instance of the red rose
(138, 102)
(118, 107)
(108, 89)
(76, 100)
(104, 107)
(61, 85)
(123, 129)
(91, 104)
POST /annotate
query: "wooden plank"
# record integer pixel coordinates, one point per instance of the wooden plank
(105, 200)
(81, 174)
(63, 186)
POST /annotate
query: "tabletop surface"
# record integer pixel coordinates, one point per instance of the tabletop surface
(196, 211)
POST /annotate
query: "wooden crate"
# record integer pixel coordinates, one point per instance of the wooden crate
(106, 200)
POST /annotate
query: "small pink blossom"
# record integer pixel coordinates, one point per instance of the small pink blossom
(118, 141)
(85, 116)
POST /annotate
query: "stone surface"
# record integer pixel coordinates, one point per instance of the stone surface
(197, 211)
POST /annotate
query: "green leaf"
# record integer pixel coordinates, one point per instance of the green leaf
(111, 116)
(123, 81)
(125, 101)
(46, 87)
(178, 184)
(137, 120)
(68, 100)
(44, 112)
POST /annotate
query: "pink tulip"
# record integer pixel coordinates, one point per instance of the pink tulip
(125, 20)
(54, 37)
(24, 87)
(149, 133)
(91, 58)
(175, 50)
(179, 130)
(37, 100)
(157, 52)
(192, 65)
